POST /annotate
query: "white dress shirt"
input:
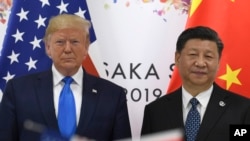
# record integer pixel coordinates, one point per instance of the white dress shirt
(76, 87)
(203, 99)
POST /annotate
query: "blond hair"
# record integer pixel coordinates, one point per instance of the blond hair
(66, 21)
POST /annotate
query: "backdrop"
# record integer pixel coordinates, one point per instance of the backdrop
(134, 45)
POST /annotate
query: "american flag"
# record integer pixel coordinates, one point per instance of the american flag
(23, 50)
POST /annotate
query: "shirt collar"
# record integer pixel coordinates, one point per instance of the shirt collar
(202, 97)
(57, 76)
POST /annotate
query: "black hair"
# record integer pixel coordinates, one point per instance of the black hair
(199, 32)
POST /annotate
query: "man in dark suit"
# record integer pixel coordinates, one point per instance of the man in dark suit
(197, 58)
(30, 104)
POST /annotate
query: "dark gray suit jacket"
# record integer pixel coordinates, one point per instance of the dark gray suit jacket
(104, 114)
(165, 114)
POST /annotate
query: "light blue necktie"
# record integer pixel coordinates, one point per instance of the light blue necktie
(67, 110)
(193, 121)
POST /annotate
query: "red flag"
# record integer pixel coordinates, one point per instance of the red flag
(89, 66)
(230, 19)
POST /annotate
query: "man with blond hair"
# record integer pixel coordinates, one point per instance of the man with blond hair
(65, 99)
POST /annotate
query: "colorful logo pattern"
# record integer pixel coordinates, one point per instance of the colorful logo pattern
(5, 5)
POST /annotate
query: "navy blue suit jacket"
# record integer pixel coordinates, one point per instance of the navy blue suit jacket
(104, 114)
(166, 113)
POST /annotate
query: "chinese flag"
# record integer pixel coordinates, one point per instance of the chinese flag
(230, 18)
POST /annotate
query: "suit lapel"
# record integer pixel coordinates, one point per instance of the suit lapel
(44, 88)
(214, 111)
(89, 101)
(175, 107)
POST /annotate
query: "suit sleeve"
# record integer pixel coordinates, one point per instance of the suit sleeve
(8, 126)
(247, 117)
(122, 124)
(146, 122)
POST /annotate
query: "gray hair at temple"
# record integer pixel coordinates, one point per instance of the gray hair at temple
(66, 21)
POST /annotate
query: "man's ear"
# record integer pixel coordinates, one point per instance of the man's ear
(47, 49)
(87, 44)
(177, 57)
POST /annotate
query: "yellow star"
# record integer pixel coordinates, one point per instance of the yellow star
(231, 77)
(194, 5)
